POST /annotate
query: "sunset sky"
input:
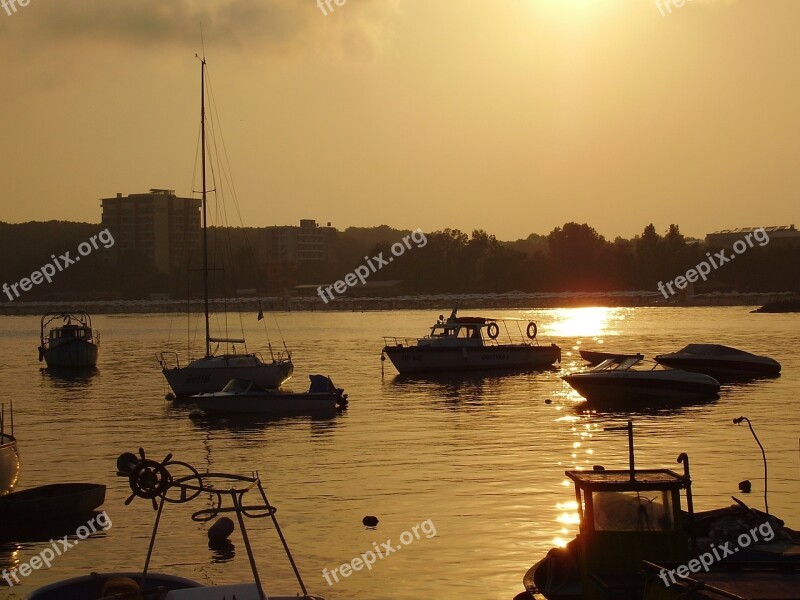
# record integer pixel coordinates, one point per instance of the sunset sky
(514, 116)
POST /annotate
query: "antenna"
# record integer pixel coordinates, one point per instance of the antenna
(629, 429)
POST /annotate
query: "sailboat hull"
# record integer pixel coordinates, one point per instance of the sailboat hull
(9, 464)
(211, 374)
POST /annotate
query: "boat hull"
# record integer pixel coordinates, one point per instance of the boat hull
(51, 502)
(201, 379)
(273, 403)
(724, 368)
(630, 386)
(9, 464)
(87, 587)
(73, 354)
(438, 359)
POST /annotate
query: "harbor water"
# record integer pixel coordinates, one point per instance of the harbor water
(477, 461)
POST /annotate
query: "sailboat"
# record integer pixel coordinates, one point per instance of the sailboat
(213, 371)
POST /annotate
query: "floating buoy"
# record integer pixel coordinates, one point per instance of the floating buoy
(220, 531)
(169, 396)
(745, 486)
(548, 401)
(598, 468)
(370, 521)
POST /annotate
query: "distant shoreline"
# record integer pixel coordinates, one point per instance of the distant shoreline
(512, 300)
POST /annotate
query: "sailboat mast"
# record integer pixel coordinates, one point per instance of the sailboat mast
(205, 211)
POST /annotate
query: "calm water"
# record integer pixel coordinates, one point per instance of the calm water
(483, 459)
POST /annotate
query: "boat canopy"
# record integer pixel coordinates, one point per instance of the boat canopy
(618, 363)
(711, 350)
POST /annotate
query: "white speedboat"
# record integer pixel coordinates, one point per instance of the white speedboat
(211, 372)
(72, 345)
(616, 380)
(9, 455)
(241, 396)
(470, 344)
(721, 361)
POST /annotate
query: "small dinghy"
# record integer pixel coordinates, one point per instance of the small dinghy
(55, 502)
(594, 357)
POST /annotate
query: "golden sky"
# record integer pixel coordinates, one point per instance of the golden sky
(514, 116)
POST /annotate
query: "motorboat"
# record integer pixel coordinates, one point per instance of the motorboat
(243, 396)
(470, 344)
(617, 380)
(594, 357)
(170, 482)
(721, 361)
(212, 371)
(630, 518)
(70, 345)
(9, 455)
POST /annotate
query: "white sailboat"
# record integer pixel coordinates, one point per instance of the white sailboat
(213, 371)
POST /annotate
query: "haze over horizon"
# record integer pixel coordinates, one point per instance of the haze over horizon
(514, 117)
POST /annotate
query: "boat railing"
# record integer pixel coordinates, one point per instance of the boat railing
(167, 359)
(153, 480)
(390, 340)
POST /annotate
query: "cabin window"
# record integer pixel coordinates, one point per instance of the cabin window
(632, 511)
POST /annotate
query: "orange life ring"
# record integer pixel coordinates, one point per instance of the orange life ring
(493, 330)
(532, 330)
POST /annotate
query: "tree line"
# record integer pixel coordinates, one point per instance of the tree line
(573, 257)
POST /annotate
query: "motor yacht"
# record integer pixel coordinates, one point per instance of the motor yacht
(71, 345)
(471, 344)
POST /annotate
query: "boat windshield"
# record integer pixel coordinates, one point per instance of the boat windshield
(617, 364)
(633, 511)
(240, 386)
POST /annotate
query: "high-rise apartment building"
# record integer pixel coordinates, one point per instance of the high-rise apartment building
(156, 225)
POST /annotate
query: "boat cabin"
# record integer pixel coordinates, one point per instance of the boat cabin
(457, 331)
(68, 333)
(626, 516)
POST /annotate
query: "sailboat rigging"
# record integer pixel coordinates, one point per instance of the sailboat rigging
(212, 372)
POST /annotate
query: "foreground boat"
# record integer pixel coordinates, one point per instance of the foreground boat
(241, 396)
(72, 345)
(470, 344)
(721, 361)
(211, 372)
(155, 482)
(9, 454)
(632, 517)
(616, 380)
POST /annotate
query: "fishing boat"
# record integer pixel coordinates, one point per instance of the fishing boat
(162, 484)
(213, 371)
(241, 396)
(721, 361)
(71, 345)
(631, 518)
(617, 380)
(594, 357)
(9, 455)
(470, 344)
